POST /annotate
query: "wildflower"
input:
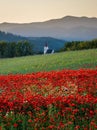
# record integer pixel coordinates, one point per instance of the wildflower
(29, 120)
(0, 128)
(15, 125)
(77, 127)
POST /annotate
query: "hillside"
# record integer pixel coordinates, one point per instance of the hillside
(56, 61)
(9, 37)
(53, 43)
(68, 28)
(38, 42)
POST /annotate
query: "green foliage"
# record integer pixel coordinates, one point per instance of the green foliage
(79, 45)
(13, 49)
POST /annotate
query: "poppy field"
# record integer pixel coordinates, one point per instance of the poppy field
(54, 100)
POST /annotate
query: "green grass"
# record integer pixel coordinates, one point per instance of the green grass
(57, 61)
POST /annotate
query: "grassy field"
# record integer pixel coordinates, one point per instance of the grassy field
(57, 61)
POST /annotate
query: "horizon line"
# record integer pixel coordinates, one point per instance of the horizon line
(47, 20)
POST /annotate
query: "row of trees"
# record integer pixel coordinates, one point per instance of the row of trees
(79, 45)
(15, 49)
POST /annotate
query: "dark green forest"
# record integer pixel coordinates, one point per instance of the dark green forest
(79, 45)
(15, 49)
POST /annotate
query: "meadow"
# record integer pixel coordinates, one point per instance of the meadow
(49, 92)
(57, 61)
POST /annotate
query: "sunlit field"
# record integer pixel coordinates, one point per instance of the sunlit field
(57, 61)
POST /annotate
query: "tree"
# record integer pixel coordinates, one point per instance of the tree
(12, 49)
(3, 49)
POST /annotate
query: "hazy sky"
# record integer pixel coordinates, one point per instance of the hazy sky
(40, 10)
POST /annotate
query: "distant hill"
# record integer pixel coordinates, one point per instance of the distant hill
(38, 42)
(68, 28)
(10, 37)
(53, 43)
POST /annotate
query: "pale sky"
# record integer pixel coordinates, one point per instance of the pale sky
(26, 11)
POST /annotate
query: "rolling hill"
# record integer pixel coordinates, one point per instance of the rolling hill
(56, 61)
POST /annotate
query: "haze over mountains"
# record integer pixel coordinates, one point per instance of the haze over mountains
(67, 28)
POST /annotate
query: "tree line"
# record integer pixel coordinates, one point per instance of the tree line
(15, 49)
(79, 45)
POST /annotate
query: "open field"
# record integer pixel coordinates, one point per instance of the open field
(57, 61)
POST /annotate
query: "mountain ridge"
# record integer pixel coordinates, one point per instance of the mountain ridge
(67, 28)
(65, 17)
